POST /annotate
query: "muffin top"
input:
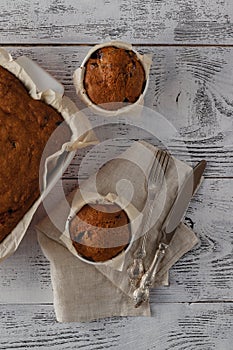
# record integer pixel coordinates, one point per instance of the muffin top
(113, 75)
(100, 232)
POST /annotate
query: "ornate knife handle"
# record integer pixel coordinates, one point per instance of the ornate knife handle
(141, 294)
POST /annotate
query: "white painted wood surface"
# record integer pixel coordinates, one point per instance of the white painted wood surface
(90, 21)
(175, 326)
(191, 84)
(192, 87)
(204, 274)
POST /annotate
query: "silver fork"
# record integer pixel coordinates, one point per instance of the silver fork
(156, 177)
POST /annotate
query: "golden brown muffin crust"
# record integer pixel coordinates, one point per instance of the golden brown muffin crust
(100, 232)
(25, 127)
(113, 75)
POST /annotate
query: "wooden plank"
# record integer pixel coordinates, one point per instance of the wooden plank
(85, 21)
(176, 326)
(204, 274)
(191, 87)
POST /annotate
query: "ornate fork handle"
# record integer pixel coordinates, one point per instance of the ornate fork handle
(136, 270)
(141, 294)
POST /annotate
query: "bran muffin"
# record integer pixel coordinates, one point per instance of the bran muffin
(112, 76)
(99, 232)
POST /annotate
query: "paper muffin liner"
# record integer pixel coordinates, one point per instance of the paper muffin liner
(93, 198)
(82, 136)
(79, 73)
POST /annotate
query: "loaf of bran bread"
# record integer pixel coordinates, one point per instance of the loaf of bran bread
(26, 125)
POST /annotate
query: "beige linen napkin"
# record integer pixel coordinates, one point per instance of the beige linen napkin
(83, 291)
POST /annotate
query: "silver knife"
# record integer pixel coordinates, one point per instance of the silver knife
(141, 294)
(183, 198)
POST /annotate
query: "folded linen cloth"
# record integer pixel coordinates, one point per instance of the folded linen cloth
(82, 291)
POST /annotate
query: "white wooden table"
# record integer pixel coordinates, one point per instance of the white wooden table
(192, 85)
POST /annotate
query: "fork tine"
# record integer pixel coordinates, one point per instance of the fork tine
(155, 165)
(166, 163)
(159, 162)
(163, 164)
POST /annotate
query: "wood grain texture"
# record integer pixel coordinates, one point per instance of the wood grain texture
(176, 326)
(88, 21)
(204, 274)
(191, 87)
